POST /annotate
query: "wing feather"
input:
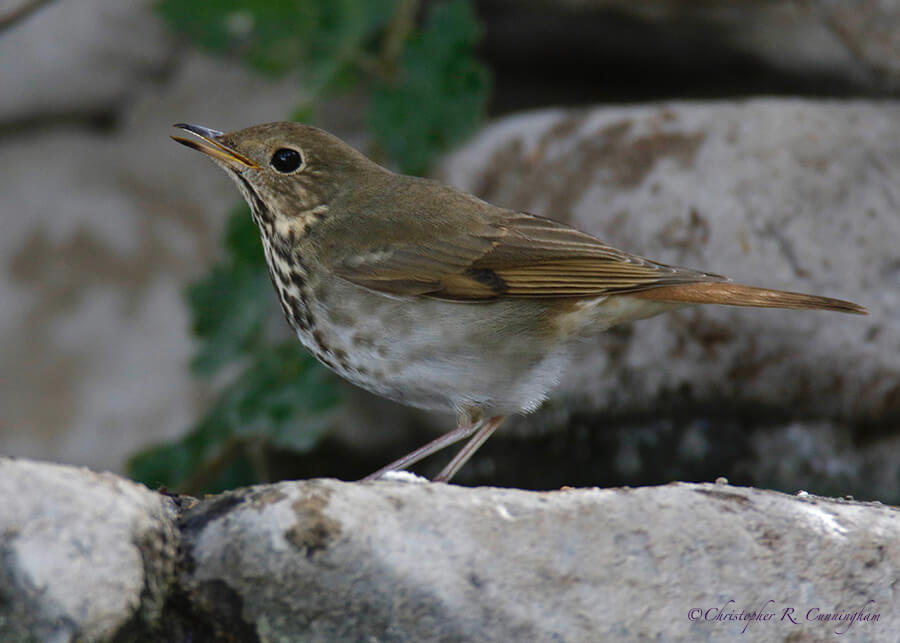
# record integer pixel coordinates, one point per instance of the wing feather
(516, 255)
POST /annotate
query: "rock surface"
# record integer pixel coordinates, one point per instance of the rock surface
(83, 556)
(322, 560)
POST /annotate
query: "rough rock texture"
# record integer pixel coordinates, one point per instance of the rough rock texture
(83, 555)
(322, 560)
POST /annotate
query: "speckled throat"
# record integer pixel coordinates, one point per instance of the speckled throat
(291, 277)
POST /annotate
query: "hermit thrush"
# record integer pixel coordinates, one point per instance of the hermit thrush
(432, 297)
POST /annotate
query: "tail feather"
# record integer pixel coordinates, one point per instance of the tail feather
(732, 294)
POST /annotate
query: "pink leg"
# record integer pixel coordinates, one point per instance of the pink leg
(487, 428)
(452, 437)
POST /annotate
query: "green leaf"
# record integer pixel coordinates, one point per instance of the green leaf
(171, 465)
(282, 398)
(285, 396)
(269, 35)
(277, 36)
(229, 307)
(162, 466)
(441, 93)
(242, 239)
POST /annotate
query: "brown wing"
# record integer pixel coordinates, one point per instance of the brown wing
(519, 255)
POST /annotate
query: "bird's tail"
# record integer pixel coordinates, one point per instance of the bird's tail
(732, 294)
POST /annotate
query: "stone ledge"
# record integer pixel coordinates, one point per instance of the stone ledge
(92, 556)
(82, 554)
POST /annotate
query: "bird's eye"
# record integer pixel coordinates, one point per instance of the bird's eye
(286, 160)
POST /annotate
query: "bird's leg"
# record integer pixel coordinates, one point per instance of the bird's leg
(461, 432)
(484, 432)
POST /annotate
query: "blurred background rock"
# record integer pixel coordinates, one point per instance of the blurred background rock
(760, 139)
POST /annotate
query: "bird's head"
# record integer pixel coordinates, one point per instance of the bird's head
(284, 170)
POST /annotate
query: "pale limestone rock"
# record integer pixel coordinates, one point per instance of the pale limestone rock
(82, 554)
(86, 556)
(328, 561)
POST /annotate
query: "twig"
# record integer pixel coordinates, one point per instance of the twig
(256, 454)
(199, 481)
(20, 13)
(395, 36)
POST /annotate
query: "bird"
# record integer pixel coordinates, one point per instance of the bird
(432, 297)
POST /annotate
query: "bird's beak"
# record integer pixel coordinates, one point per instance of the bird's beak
(212, 146)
